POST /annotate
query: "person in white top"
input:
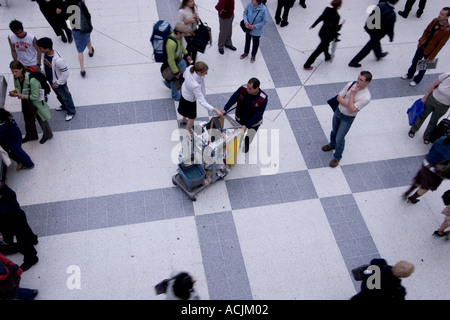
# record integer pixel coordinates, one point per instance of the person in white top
(437, 102)
(193, 89)
(187, 14)
(351, 99)
(23, 46)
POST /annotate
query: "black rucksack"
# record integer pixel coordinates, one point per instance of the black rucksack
(40, 77)
(161, 32)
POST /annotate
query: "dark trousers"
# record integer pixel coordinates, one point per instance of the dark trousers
(24, 236)
(322, 47)
(409, 4)
(412, 69)
(373, 44)
(65, 97)
(284, 5)
(249, 38)
(29, 117)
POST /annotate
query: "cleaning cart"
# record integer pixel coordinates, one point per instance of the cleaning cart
(208, 156)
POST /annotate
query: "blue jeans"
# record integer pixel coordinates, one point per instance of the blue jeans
(341, 125)
(412, 69)
(176, 94)
(64, 96)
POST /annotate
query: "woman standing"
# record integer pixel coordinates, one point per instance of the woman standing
(193, 89)
(82, 33)
(255, 17)
(28, 90)
(187, 14)
(327, 33)
(11, 141)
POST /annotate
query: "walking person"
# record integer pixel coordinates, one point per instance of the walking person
(437, 102)
(251, 103)
(352, 98)
(386, 27)
(11, 141)
(255, 17)
(81, 34)
(33, 103)
(13, 223)
(181, 287)
(433, 39)
(187, 14)
(446, 212)
(426, 178)
(57, 73)
(327, 33)
(225, 9)
(193, 90)
(285, 6)
(53, 13)
(408, 7)
(391, 288)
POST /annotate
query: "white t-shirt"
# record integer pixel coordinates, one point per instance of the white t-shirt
(26, 53)
(442, 92)
(362, 98)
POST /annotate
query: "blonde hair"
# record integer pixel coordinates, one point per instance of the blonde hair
(199, 66)
(403, 269)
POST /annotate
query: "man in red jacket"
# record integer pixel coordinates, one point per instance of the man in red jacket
(433, 39)
(225, 8)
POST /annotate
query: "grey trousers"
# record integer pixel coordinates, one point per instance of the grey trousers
(225, 32)
(436, 109)
(45, 126)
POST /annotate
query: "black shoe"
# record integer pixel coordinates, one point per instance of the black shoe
(232, 48)
(383, 54)
(302, 3)
(419, 13)
(44, 140)
(63, 38)
(354, 65)
(28, 264)
(83, 73)
(70, 38)
(402, 14)
(284, 24)
(91, 54)
(277, 21)
(221, 51)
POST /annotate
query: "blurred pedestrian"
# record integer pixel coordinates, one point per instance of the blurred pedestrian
(52, 11)
(446, 212)
(285, 6)
(181, 287)
(10, 276)
(408, 7)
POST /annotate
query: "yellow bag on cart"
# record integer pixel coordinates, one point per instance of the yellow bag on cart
(232, 146)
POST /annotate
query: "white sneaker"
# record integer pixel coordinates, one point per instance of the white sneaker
(405, 76)
(59, 108)
(413, 83)
(69, 117)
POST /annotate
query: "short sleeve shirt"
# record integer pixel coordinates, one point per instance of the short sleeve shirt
(442, 92)
(362, 98)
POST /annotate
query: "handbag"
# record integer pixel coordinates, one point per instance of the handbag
(442, 129)
(85, 23)
(415, 111)
(244, 28)
(333, 102)
(443, 169)
(200, 38)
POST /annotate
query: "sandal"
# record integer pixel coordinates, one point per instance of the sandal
(252, 60)
(411, 134)
(426, 141)
(182, 123)
(244, 55)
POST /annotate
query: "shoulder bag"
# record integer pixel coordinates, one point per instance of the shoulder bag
(244, 28)
(334, 103)
(200, 38)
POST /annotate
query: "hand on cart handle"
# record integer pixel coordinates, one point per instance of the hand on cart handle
(244, 128)
(218, 112)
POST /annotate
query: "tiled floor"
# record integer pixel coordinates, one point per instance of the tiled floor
(282, 223)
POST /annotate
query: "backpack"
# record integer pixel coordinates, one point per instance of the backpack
(161, 32)
(40, 77)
